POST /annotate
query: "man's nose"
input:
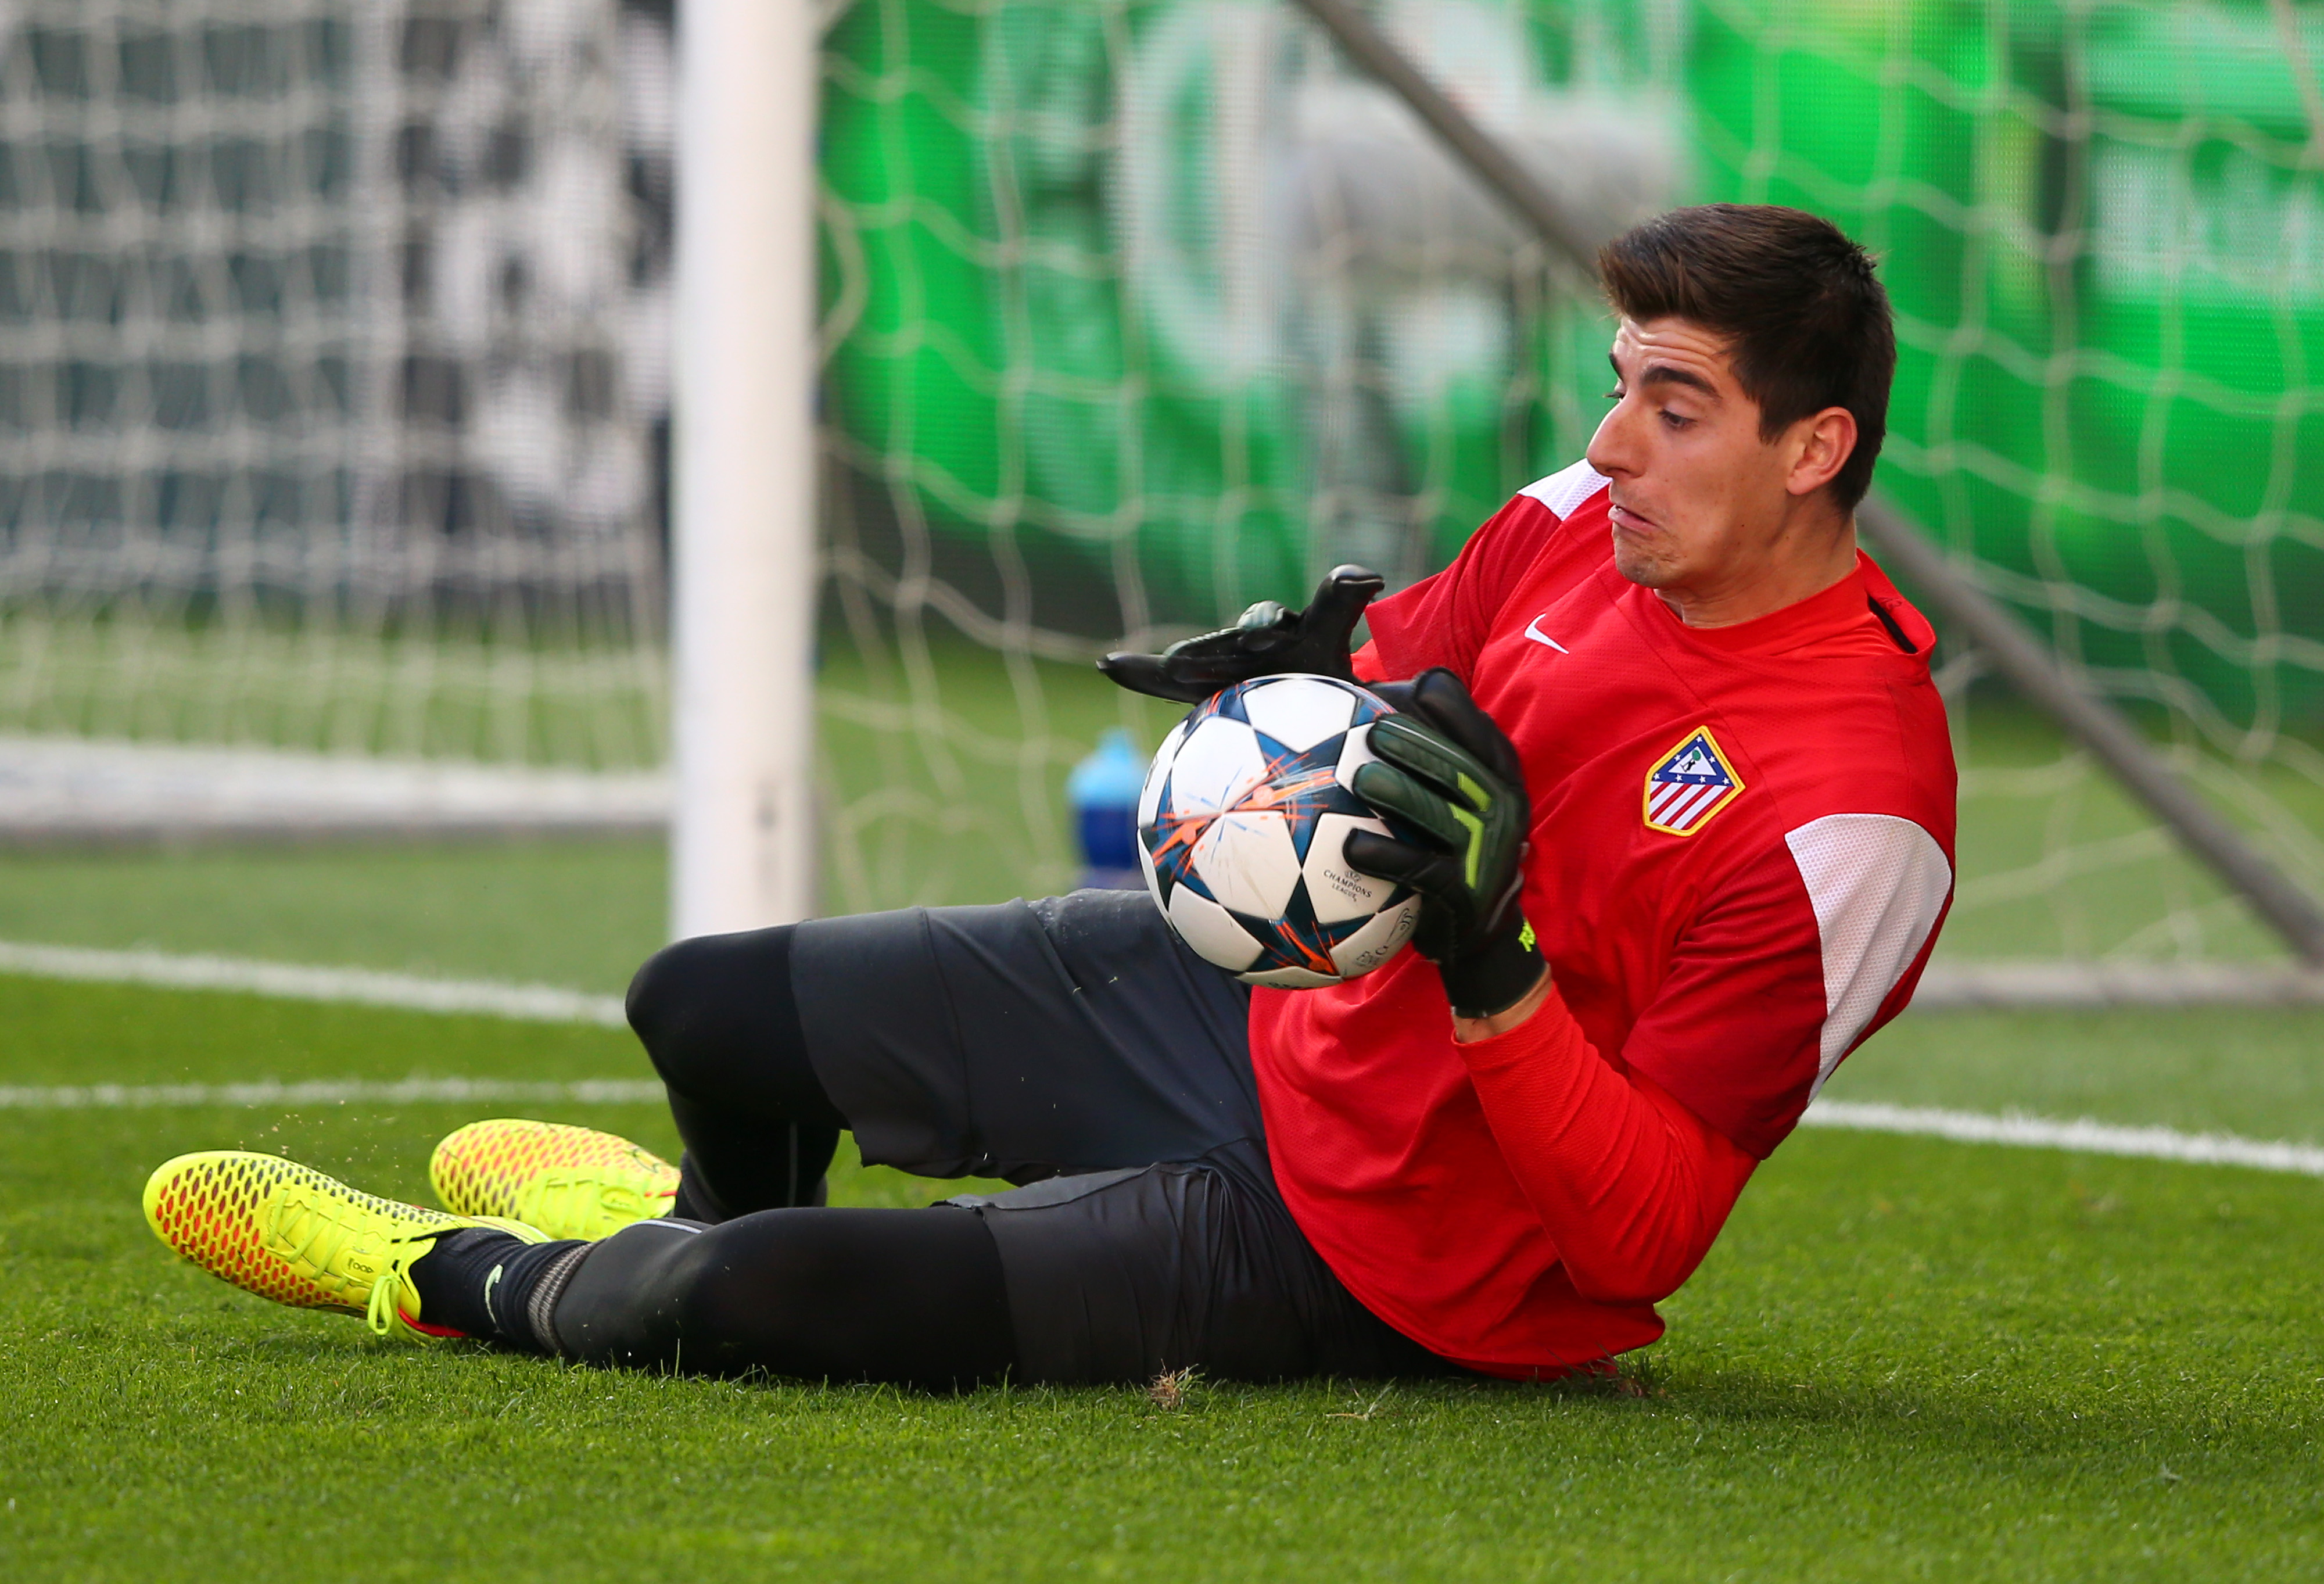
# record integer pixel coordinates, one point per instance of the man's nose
(1611, 451)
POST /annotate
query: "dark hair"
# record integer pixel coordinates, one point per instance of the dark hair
(1807, 320)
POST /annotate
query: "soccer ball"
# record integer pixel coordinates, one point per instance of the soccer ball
(1240, 829)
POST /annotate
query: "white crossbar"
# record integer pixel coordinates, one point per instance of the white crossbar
(269, 1094)
(76, 787)
(1979, 987)
(529, 1003)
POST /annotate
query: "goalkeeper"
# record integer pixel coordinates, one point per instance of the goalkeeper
(1678, 797)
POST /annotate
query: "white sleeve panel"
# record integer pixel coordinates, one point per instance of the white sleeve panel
(1565, 489)
(1877, 883)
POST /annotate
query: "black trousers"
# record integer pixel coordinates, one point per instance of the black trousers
(1073, 1046)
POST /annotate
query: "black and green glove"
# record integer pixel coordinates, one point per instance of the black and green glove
(1266, 641)
(1450, 778)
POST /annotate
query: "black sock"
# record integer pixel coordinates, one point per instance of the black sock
(483, 1282)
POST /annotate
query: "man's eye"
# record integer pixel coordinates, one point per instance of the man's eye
(1615, 394)
(1676, 420)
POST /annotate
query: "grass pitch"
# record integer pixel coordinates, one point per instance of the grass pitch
(1905, 1359)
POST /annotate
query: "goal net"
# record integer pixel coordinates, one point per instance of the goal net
(1139, 311)
(330, 366)
(2100, 226)
(333, 377)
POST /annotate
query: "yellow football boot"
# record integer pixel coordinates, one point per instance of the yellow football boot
(288, 1233)
(569, 1182)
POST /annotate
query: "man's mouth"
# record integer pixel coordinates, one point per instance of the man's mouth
(1629, 518)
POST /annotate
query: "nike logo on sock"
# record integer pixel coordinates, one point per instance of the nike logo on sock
(491, 1282)
(1533, 631)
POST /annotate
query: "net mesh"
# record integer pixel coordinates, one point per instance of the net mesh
(2099, 227)
(326, 331)
(1142, 311)
(333, 376)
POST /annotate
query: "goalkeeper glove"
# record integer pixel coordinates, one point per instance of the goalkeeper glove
(1450, 777)
(1266, 640)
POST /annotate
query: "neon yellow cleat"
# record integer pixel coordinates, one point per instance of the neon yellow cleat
(288, 1233)
(569, 1182)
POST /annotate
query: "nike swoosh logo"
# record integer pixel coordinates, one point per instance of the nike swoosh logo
(1533, 631)
(491, 1282)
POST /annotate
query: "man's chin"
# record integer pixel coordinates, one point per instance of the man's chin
(1646, 571)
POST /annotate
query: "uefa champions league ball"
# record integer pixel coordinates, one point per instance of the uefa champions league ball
(1241, 825)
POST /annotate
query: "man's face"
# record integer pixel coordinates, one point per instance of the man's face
(1701, 504)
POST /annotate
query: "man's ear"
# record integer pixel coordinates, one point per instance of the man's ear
(1823, 443)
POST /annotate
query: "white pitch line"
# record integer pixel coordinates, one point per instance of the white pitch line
(530, 1003)
(2080, 1135)
(542, 1003)
(1947, 987)
(72, 1097)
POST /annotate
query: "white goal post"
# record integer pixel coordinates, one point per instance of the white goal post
(743, 552)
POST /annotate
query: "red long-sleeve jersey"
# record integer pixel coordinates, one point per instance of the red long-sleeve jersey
(1742, 848)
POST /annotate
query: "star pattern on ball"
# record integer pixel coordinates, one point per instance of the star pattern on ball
(1243, 824)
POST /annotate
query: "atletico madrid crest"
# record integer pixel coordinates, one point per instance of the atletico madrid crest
(1689, 783)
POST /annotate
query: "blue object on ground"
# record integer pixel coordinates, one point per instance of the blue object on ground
(1102, 791)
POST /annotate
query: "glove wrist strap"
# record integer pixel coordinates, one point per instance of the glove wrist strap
(1495, 977)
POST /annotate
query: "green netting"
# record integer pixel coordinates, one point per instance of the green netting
(1102, 281)
(2100, 229)
(1164, 293)
(1061, 320)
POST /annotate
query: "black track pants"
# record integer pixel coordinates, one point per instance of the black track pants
(1074, 1045)
(719, 1021)
(846, 1294)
